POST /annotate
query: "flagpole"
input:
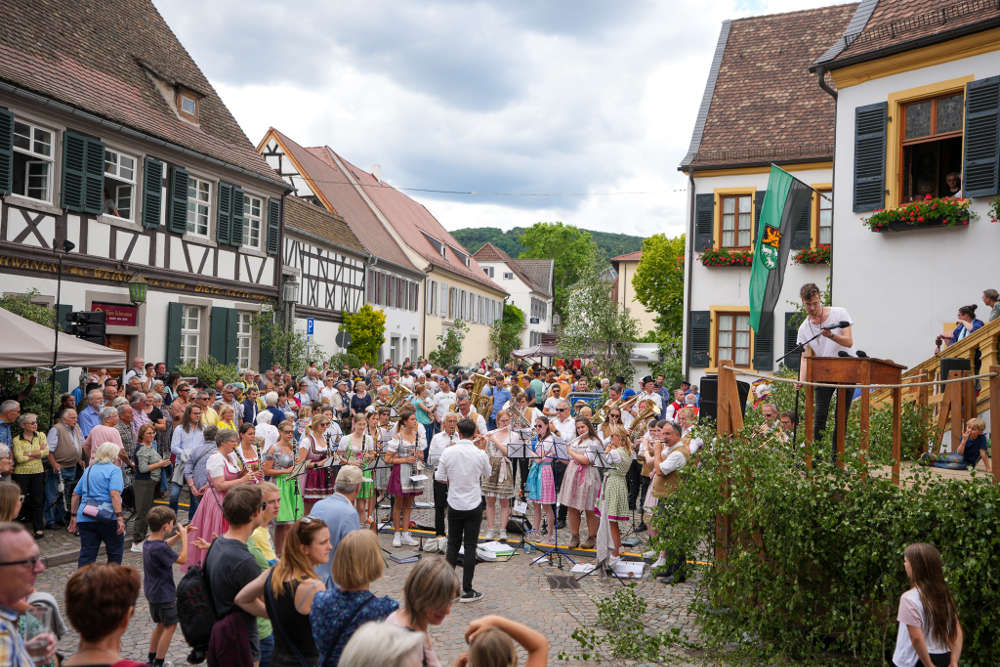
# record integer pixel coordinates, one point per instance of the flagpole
(792, 176)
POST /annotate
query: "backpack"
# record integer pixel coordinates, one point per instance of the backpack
(195, 608)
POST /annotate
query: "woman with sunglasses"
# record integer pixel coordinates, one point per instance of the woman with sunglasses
(608, 427)
(278, 464)
(541, 484)
(499, 486)
(403, 453)
(358, 449)
(319, 484)
(581, 483)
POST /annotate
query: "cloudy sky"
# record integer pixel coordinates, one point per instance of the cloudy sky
(577, 110)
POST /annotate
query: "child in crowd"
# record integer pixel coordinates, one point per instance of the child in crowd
(158, 558)
(973, 447)
(929, 632)
(491, 644)
(303, 422)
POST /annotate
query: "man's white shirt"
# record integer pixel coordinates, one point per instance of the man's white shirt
(462, 466)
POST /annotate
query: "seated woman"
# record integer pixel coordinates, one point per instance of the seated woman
(113, 589)
(967, 323)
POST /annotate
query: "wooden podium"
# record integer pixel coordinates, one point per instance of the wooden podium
(852, 371)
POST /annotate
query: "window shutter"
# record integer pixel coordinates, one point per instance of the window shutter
(236, 227)
(173, 334)
(792, 321)
(6, 151)
(982, 138)
(232, 327)
(273, 225)
(219, 347)
(704, 222)
(93, 198)
(177, 200)
(224, 215)
(152, 192)
(758, 203)
(763, 343)
(74, 164)
(699, 338)
(62, 310)
(869, 156)
(802, 224)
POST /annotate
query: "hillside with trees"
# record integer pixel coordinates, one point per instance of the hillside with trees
(608, 244)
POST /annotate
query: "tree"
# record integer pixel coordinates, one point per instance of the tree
(659, 281)
(505, 334)
(14, 380)
(286, 346)
(367, 330)
(570, 247)
(449, 348)
(595, 325)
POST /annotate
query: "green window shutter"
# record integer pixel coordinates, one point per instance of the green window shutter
(265, 349)
(982, 138)
(802, 224)
(763, 343)
(792, 321)
(62, 310)
(704, 222)
(6, 151)
(152, 192)
(93, 197)
(173, 355)
(73, 171)
(231, 325)
(699, 338)
(869, 156)
(224, 214)
(177, 200)
(273, 225)
(217, 334)
(236, 227)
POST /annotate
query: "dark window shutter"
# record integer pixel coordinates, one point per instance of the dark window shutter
(6, 151)
(704, 222)
(869, 156)
(93, 198)
(982, 138)
(699, 338)
(74, 166)
(758, 204)
(802, 224)
(177, 200)
(236, 228)
(218, 335)
(273, 225)
(224, 215)
(152, 192)
(173, 356)
(763, 343)
(792, 322)
(265, 348)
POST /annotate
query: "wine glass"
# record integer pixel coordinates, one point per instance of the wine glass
(37, 633)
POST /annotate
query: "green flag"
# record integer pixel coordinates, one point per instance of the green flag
(784, 201)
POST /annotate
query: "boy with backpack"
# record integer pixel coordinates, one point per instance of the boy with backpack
(158, 558)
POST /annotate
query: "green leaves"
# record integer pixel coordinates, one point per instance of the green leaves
(367, 330)
(570, 247)
(659, 280)
(449, 349)
(505, 334)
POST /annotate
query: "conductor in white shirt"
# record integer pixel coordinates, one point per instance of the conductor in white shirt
(461, 467)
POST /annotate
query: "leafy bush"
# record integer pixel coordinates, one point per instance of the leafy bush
(341, 359)
(815, 566)
(449, 349)
(367, 330)
(209, 371)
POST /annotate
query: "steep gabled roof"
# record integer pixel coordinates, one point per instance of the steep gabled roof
(490, 253)
(884, 27)
(761, 104)
(537, 273)
(305, 217)
(414, 224)
(102, 57)
(628, 257)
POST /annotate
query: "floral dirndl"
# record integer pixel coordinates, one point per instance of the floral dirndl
(356, 457)
(319, 484)
(615, 489)
(541, 484)
(500, 483)
(580, 484)
(400, 483)
(208, 519)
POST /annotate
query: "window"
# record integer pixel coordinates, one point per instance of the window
(824, 216)
(413, 350)
(736, 221)
(199, 200)
(244, 338)
(394, 349)
(188, 105)
(119, 184)
(32, 175)
(190, 334)
(732, 338)
(488, 270)
(931, 140)
(535, 338)
(431, 297)
(508, 275)
(252, 208)
(538, 309)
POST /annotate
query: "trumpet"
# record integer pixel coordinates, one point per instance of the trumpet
(640, 421)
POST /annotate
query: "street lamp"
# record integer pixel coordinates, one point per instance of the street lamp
(290, 295)
(61, 249)
(137, 287)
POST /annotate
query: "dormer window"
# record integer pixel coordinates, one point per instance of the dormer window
(187, 106)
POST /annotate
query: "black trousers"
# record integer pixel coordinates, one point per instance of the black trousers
(558, 469)
(636, 483)
(440, 506)
(824, 396)
(33, 488)
(463, 529)
(521, 466)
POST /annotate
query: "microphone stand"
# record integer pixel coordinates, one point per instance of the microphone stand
(800, 347)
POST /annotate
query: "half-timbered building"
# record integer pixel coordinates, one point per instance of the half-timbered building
(112, 139)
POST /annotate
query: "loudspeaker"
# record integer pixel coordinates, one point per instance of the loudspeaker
(949, 364)
(709, 390)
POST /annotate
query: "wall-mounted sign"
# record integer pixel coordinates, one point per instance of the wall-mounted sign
(118, 315)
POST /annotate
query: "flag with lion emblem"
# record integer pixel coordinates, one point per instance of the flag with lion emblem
(784, 201)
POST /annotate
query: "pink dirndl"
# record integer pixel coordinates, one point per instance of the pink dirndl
(208, 520)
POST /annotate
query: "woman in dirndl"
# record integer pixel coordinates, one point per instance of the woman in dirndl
(404, 454)
(581, 483)
(358, 449)
(499, 486)
(319, 483)
(279, 461)
(613, 497)
(541, 485)
(377, 431)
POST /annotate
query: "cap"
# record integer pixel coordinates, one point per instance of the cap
(349, 476)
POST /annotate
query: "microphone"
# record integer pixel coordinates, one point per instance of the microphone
(839, 325)
(842, 353)
(861, 354)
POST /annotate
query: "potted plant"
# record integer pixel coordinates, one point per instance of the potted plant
(818, 255)
(726, 257)
(928, 212)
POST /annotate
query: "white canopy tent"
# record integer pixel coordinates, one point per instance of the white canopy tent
(27, 344)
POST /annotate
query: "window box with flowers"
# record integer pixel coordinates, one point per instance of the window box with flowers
(727, 257)
(818, 255)
(928, 212)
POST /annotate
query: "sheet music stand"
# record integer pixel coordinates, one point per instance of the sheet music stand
(602, 465)
(519, 451)
(561, 453)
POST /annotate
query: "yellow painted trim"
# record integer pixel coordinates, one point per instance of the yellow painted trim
(966, 46)
(717, 223)
(713, 338)
(893, 148)
(741, 171)
(814, 225)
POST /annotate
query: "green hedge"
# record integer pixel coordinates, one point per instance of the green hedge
(816, 570)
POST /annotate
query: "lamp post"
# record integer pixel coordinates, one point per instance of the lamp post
(61, 249)
(290, 295)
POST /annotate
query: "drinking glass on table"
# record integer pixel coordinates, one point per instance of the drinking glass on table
(39, 638)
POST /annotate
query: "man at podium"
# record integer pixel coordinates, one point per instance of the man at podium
(828, 339)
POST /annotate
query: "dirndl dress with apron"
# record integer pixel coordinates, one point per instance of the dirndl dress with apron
(400, 483)
(292, 508)
(319, 483)
(355, 456)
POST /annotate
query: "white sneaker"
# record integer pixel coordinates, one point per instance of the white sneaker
(503, 535)
(488, 535)
(430, 546)
(409, 541)
(397, 539)
(646, 555)
(660, 562)
(443, 544)
(136, 548)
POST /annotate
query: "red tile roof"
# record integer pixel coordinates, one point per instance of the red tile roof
(764, 105)
(628, 257)
(491, 253)
(91, 54)
(306, 217)
(537, 273)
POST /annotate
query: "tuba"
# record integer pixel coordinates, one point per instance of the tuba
(483, 404)
(638, 426)
(399, 396)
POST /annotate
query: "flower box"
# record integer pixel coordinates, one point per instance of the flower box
(726, 257)
(928, 212)
(818, 255)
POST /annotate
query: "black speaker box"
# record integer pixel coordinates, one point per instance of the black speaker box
(709, 390)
